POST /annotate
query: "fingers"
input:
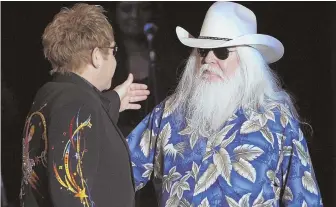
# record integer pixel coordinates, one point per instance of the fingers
(129, 80)
(137, 98)
(139, 93)
(134, 106)
(138, 86)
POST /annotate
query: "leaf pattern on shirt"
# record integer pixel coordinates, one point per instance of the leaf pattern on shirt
(170, 107)
(257, 121)
(245, 169)
(162, 141)
(138, 187)
(309, 183)
(228, 141)
(247, 158)
(267, 135)
(281, 140)
(253, 125)
(242, 154)
(250, 126)
(285, 115)
(303, 155)
(260, 201)
(184, 203)
(223, 164)
(247, 152)
(283, 120)
(165, 135)
(194, 171)
(170, 178)
(275, 183)
(149, 170)
(193, 133)
(173, 201)
(264, 117)
(174, 150)
(288, 195)
(204, 203)
(232, 118)
(180, 186)
(207, 179)
(211, 145)
(145, 142)
(300, 135)
(304, 204)
(243, 202)
(287, 150)
(217, 138)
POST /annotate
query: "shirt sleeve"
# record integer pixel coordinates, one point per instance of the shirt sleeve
(73, 156)
(143, 144)
(300, 187)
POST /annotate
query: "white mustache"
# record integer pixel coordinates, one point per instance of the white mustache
(207, 67)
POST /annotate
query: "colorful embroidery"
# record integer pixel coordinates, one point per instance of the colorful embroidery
(29, 175)
(74, 149)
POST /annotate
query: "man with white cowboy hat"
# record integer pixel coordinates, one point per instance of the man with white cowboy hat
(229, 135)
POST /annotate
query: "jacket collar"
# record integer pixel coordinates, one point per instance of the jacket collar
(81, 82)
(74, 78)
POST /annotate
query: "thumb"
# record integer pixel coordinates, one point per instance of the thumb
(129, 80)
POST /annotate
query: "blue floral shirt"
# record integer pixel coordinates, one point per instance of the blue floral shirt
(256, 159)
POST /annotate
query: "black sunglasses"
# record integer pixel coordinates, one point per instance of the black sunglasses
(221, 53)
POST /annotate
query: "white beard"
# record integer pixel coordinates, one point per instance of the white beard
(210, 104)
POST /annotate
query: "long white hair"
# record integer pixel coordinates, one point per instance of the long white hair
(261, 84)
(257, 86)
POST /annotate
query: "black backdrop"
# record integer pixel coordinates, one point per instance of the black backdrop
(307, 30)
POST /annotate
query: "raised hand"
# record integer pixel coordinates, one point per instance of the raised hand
(130, 93)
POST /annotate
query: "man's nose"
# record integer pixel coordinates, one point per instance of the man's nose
(210, 57)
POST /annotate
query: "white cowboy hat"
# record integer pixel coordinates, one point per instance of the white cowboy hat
(228, 24)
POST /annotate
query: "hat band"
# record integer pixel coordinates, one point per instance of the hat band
(214, 38)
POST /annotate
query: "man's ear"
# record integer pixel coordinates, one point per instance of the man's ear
(96, 58)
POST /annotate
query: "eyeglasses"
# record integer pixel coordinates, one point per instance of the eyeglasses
(114, 48)
(221, 53)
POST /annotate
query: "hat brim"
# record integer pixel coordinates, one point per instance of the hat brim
(270, 48)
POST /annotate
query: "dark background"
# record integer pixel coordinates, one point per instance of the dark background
(307, 30)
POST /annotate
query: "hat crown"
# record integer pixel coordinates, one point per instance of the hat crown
(228, 20)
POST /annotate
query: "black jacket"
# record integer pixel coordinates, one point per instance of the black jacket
(73, 152)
